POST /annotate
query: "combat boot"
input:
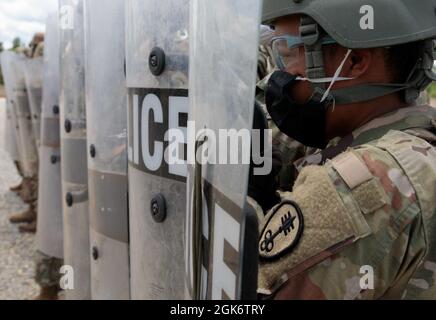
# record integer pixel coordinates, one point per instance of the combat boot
(28, 228)
(19, 168)
(16, 188)
(48, 293)
(26, 194)
(29, 216)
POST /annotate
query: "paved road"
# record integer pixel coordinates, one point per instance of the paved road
(16, 250)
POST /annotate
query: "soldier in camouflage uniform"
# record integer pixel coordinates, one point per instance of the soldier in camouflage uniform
(29, 189)
(37, 45)
(47, 275)
(360, 221)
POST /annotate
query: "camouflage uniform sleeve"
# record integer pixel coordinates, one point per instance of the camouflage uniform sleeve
(39, 50)
(359, 234)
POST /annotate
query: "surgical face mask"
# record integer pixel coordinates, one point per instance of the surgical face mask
(306, 122)
(302, 122)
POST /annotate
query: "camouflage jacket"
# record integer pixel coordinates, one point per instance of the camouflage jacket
(39, 50)
(360, 222)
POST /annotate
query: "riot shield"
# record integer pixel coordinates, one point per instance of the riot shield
(73, 147)
(107, 145)
(49, 236)
(24, 118)
(13, 144)
(10, 143)
(157, 79)
(19, 104)
(33, 76)
(221, 261)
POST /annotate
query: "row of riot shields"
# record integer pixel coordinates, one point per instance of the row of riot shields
(191, 66)
(32, 90)
(160, 227)
(132, 91)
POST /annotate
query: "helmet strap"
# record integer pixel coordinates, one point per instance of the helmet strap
(310, 34)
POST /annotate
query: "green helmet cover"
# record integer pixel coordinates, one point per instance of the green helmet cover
(394, 21)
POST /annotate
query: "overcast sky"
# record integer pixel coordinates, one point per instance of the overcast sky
(22, 18)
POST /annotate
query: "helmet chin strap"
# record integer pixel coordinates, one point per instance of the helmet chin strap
(315, 70)
(311, 37)
(332, 80)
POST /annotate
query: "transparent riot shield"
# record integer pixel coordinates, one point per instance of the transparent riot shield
(157, 48)
(33, 76)
(10, 143)
(49, 236)
(221, 261)
(73, 147)
(107, 145)
(13, 144)
(24, 118)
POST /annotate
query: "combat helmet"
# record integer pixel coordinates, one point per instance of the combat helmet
(392, 23)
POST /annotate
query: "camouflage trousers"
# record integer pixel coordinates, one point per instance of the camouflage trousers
(47, 273)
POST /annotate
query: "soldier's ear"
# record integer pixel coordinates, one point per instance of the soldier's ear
(358, 63)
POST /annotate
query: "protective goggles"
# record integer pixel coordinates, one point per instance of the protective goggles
(286, 49)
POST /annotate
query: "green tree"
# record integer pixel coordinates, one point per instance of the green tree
(16, 43)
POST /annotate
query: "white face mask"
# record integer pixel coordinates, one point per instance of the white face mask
(331, 80)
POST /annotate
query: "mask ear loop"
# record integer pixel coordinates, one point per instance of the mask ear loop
(334, 104)
(336, 76)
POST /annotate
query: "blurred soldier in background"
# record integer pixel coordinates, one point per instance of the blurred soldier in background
(28, 190)
(37, 45)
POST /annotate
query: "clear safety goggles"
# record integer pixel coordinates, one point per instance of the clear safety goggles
(286, 49)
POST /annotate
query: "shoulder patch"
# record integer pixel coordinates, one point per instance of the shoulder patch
(282, 231)
(330, 224)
